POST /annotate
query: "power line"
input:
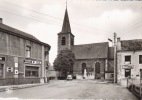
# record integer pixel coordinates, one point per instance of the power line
(131, 26)
(32, 10)
(32, 18)
(53, 16)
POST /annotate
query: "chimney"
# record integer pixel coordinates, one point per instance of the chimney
(118, 44)
(0, 20)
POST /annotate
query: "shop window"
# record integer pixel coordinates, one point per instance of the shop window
(28, 51)
(127, 72)
(1, 70)
(63, 41)
(31, 71)
(127, 59)
(140, 59)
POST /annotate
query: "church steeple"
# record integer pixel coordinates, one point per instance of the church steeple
(65, 37)
(66, 24)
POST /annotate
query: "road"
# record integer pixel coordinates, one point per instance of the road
(76, 89)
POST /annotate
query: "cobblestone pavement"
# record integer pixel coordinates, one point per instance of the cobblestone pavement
(75, 89)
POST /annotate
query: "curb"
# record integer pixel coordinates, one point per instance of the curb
(16, 87)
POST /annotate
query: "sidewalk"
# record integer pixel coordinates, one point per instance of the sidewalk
(15, 87)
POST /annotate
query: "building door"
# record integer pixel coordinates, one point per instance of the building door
(97, 70)
(127, 72)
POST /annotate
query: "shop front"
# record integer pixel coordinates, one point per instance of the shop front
(32, 71)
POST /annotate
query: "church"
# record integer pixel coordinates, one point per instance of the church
(93, 61)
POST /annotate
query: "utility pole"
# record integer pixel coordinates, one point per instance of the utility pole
(115, 58)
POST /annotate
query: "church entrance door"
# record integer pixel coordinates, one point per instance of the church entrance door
(97, 70)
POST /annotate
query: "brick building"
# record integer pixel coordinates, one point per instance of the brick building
(92, 60)
(23, 58)
(129, 61)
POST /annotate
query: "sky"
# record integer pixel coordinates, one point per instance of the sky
(92, 21)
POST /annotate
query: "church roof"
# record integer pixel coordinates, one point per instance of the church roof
(66, 24)
(90, 51)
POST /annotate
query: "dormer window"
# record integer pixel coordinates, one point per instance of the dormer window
(63, 41)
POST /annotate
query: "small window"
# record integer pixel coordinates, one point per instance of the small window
(140, 59)
(28, 51)
(127, 59)
(72, 41)
(1, 70)
(127, 72)
(46, 55)
(2, 58)
(140, 73)
(63, 41)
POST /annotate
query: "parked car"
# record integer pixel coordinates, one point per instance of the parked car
(69, 77)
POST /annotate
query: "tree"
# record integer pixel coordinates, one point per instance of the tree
(64, 63)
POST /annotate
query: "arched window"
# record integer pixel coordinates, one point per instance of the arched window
(83, 67)
(97, 67)
(63, 41)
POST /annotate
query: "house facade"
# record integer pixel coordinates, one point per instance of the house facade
(129, 61)
(92, 60)
(23, 58)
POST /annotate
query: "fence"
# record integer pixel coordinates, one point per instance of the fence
(135, 88)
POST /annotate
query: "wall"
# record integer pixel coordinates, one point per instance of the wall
(3, 43)
(135, 71)
(13, 46)
(89, 63)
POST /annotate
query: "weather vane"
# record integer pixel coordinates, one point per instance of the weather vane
(66, 3)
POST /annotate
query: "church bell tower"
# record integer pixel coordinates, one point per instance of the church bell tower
(65, 37)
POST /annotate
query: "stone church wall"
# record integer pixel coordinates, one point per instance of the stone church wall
(90, 63)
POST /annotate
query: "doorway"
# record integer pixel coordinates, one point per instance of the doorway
(97, 70)
(128, 73)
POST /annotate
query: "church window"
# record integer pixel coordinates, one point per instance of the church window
(97, 67)
(83, 67)
(63, 41)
